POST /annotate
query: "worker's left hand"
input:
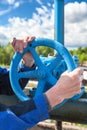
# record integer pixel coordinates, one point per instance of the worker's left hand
(20, 44)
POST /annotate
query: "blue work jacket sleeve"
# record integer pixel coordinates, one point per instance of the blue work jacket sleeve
(10, 121)
(3, 70)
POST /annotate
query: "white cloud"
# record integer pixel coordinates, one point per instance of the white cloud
(39, 1)
(42, 25)
(2, 12)
(76, 24)
(16, 4)
(38, 25)
(10, 1)
(5, 2)
(11, 5)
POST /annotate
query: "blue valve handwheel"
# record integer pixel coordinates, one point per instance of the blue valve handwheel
(42, 73)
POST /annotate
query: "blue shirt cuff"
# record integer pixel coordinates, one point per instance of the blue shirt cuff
(41, 106)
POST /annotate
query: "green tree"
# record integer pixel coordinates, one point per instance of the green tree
(81, 52)
(6, 54)
(45, 51)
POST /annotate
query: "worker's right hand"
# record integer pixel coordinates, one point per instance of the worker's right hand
(67, 86)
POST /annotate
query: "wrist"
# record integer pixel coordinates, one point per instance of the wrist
(28, 64)
(47, 102)
(53, 97)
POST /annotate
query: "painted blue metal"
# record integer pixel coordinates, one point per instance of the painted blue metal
(44, 72)
(59, 21)
(76, 60)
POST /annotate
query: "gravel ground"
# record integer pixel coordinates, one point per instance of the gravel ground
(46, 125)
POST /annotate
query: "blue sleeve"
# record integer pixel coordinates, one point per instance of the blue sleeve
(21, 67)
(3, 70)
(8, 120)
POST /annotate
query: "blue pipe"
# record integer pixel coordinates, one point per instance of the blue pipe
(59, 21)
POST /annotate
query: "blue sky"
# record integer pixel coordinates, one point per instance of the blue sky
(20, 18)
(20, 8)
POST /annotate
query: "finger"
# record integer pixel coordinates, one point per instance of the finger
(20, 49)
(79, 71)
(81, 78)
(24, 44)
(13, 42)
(64, 73)
(18, 46)
(29, 39)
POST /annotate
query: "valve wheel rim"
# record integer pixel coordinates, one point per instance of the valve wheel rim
(14, 75)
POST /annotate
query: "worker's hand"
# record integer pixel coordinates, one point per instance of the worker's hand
(67, 86)
(70, 83)
(19, 45)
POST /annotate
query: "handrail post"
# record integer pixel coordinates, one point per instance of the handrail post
(59, 20)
